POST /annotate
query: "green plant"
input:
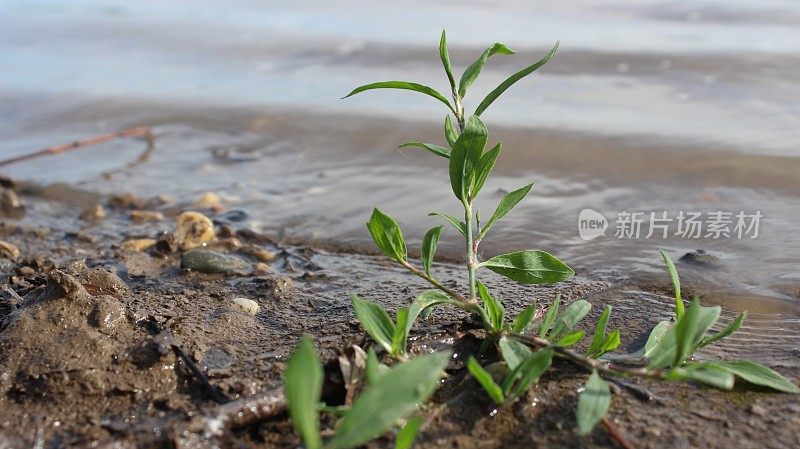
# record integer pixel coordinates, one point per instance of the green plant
(391, 396)
(527, 346)
(469, 165)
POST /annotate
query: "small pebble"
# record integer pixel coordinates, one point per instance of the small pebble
(248, 305)
(142, 216)
(258, 252)
(193, 229)
(209, 200)
(94, 213)
(138, 244)
(261, 269)
(26, 271)
(8, 250)
(10, 205)
(212, 262)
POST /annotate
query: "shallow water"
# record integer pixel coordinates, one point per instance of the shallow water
(649, 106)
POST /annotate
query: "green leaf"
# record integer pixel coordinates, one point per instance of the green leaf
(465, 156)
(504, 207)
(429, 245)
(729, 329)
(704, 373)
(523, 321)
(450, 133)
(529, 267)
(435, 149)
(485, 165)
(593, 403)
(302, 382)
(375, 321)
(549, 317)
(403, 85)
(493, 95)
(426, 301)
(444, 55)
(493, 307)
(570, 338)
(758, 374)
(513, 352)
(676, 284)
(373, 369)
(656, 335)
(683, 338)
(611, 342)
(485, 379)
(408, 434)
(528, 373)
(474, 69)
(387, 235)
(394, 396)
(400, 336)
(570, 317)
(599, 334)
(459, 225)
(691, 329)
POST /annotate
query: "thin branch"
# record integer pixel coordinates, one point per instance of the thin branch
(452, 293)
(588, 362)
(616, 435)
(141, 131)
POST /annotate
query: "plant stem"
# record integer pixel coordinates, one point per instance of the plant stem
(472, 260)
(453, 294)
(588, 362)
(459, 110)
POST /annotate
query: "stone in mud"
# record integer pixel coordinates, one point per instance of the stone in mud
(8, 250)
(126, 201)
(94, 213)
(700, 257)
(107, 313)
(248, 305)
(143, 216)
(209, 200)
(10, 205)
(138, 244)
(260, 269)
(193, 229)
(212, 262)
(107, 282)
(262, 254)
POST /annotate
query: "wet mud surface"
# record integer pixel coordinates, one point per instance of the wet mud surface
(104, 320)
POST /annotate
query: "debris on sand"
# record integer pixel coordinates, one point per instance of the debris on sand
(193, 229)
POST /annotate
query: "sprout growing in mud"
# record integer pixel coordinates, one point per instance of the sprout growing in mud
(527, 346)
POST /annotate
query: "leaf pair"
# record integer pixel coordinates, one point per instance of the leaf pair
(393, 336)
(376, 321)
(391, 397)
(494, 312)
(525, 369)
(602, 343)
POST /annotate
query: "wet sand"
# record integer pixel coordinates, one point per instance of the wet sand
(89, 330)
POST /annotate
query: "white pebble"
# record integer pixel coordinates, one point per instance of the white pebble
(248, 305)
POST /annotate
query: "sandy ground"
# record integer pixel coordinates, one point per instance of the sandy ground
(97, 342)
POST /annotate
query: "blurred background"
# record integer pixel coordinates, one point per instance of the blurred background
(651, 106)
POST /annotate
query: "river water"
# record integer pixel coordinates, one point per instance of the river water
(667, 107)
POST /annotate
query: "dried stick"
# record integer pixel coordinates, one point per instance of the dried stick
(140, 131)
(615, 434)
(244, 412)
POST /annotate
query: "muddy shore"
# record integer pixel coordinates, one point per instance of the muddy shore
(99, 338)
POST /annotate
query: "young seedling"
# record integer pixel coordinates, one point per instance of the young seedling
(392, 395)
(527, 347)
(469, 166)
